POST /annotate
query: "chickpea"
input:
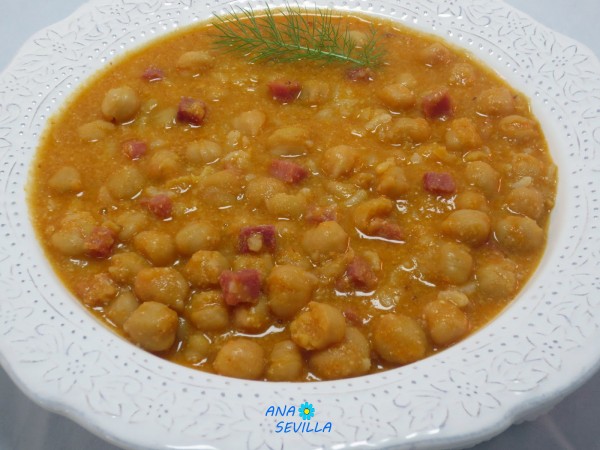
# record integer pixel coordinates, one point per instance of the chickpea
(204, 267)
(125, 266)
(207, 311)
(483, 176)
(153, 326)
(399, 339)
(125, 183)
(252, 318)
(462, 135)
(250, 123)
(407, 79)
(436, 54)
(164, 118)
(349, 358)
(496, 102)
(120, 104)
(82, 221)
(163, 164)
(289, 288)
(462, 74)
(295, 258)
(97, 290)
(455, 263)
(203, 151)
(393, 183)
(405, 130)
(315, 92)
(163, 285)
(318, 327)
(519, 234)
(66, 179)
(285, 362)
(496, 279)
(263, 263)
(525, 165)
(289, 141)
(359, 38)
(460, 299)
(365, 212)
(112, 226)
(240, 358)
(527, 201)
(68, 242)
(375, 118)
(397, 97)
(95, 130)
(468, 225)
(339, 161)
(439, 152)
(445, 321)
(196, 348)
(518, 127)
(325, 241)
(335, 268)
(341, 190)
(262, 188)
(69, 239)
(105, 200)
(156, 246)
(471, 200)
(131, 223)
(221, 188)
(121, 308)
(193, 63)
(199, 235)
(286, 205)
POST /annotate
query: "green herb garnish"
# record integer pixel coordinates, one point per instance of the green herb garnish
(299, 34)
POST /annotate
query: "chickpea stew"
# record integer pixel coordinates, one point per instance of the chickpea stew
(294, 221)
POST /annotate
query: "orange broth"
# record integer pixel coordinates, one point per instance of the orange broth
(408, 203)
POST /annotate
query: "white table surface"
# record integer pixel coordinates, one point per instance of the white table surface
(573, 424)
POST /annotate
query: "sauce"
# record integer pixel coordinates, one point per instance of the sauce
(294, 221)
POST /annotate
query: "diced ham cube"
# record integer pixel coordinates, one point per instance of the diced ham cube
(361, 275)
(386, 229)
(100, 242)
(288, 171)
(242, 286)
(257, 238)
(360, 74)
(352, 316)
(437, 104)
(318, 214)
(285, 91)
(160, 205)
(191, 111)
(153, 74)
(439, 183)
(134, 149)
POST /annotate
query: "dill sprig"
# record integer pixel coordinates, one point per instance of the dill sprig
(293, 34)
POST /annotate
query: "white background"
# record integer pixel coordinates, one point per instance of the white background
(573, 424)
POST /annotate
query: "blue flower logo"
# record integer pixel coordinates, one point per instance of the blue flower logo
(306, 411)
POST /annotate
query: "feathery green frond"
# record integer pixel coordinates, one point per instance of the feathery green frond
(293, 34)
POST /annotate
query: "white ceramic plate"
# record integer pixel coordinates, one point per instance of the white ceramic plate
(539, 350)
